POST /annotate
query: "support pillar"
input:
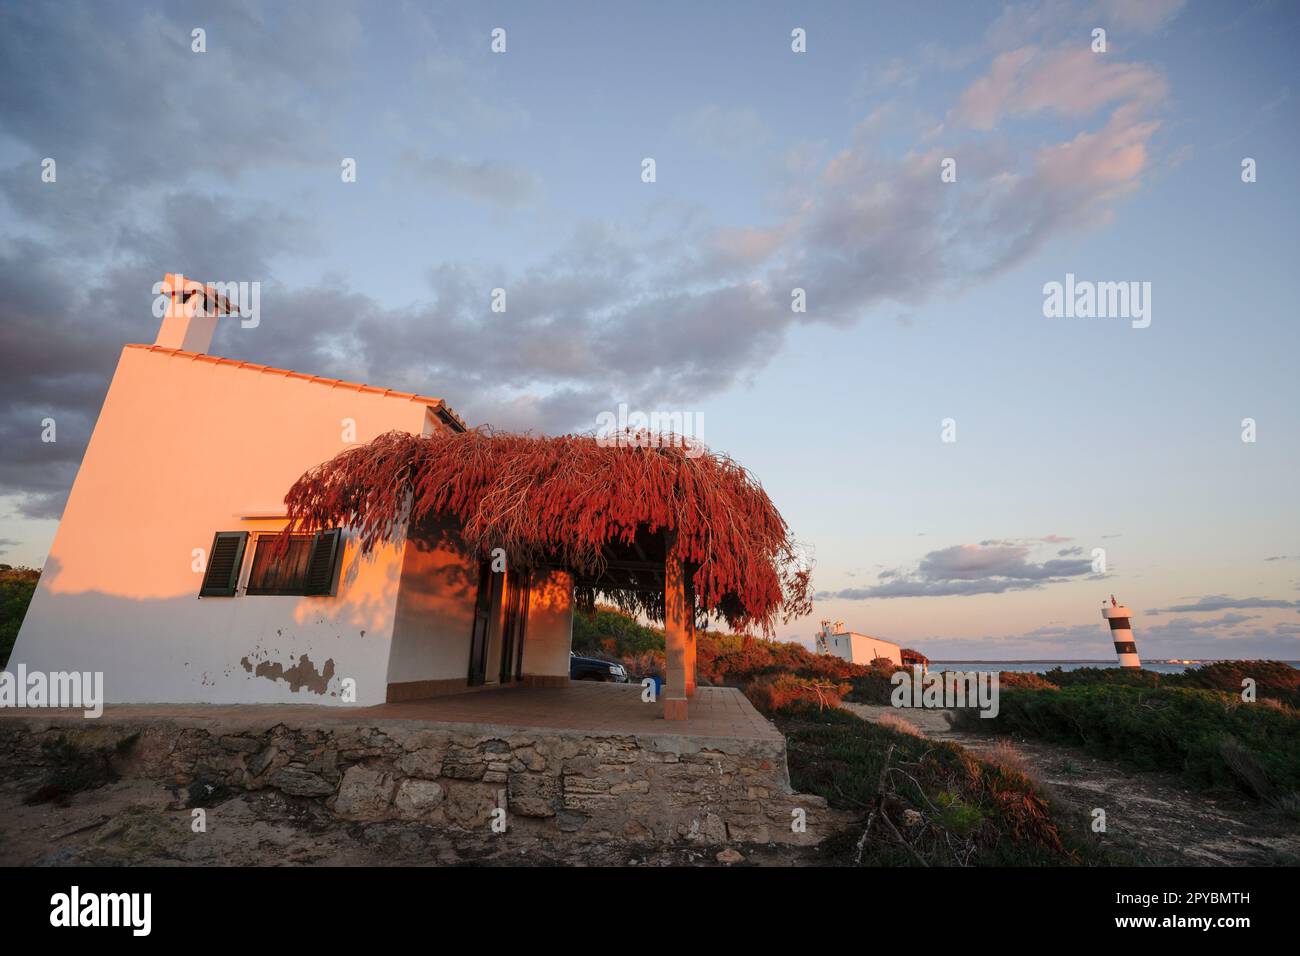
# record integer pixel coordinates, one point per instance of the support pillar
(690, 631)
(677, 624)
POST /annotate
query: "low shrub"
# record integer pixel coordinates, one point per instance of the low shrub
(16, 588)
(1025, 679)
(933, 803)
(770, 694)
(1274, 680)
(1212, 739)
(874, 685)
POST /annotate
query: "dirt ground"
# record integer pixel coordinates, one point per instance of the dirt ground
(1153, 816)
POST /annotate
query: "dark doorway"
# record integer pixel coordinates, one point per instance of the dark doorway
(516, 619)
(489, 588)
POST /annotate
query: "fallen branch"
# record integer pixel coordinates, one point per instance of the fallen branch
(878, 802)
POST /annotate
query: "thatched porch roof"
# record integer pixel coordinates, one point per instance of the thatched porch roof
(611, 513)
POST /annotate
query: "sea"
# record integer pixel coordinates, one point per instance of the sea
(1040, 667)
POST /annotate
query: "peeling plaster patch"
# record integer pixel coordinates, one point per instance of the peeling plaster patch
(302, 674)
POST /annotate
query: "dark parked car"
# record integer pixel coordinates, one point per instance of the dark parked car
(591, 668)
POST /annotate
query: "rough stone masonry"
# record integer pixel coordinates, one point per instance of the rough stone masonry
(567, 785)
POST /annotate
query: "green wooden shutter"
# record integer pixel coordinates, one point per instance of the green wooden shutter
(324, 556)
(224, 561)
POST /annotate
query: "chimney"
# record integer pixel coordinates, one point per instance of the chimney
(191, 316)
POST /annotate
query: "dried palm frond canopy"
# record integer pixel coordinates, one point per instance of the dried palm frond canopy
(576, 503)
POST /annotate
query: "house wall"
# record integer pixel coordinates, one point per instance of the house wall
(549, 636)
(185, 447)
(434, 616)
(866, 649)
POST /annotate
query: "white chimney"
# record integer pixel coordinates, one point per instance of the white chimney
(191, 316)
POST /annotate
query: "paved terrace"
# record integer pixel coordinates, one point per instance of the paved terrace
(582, 707)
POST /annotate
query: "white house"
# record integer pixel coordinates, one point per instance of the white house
(853, 647)
(161, 576)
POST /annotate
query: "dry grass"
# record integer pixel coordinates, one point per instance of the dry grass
(899, 725)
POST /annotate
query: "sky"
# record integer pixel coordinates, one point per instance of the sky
(968, 475)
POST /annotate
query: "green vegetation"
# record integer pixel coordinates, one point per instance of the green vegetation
(1211, 738)
(928, 803)
(1274, 680)
(16, 587)
(610, 631)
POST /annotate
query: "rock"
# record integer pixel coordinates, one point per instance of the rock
(300, 783)
(744, 833)
(364, 794)
(470, 804)
(530, 759)
(423, 739)
(709, 830)
(245, 745)
(534, 795)
(570, 822)
(417, 798)
(730, 856)
(426, 763)
(258, 764)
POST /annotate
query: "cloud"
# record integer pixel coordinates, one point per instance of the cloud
(659, 313)
(116, 88)
(1221, 602)
(502, 183)
(1230, 636)
(1069, 81)
(1142, 16)
(966, 569)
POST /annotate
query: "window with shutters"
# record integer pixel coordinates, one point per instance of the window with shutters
(305, 566)
(221, 576)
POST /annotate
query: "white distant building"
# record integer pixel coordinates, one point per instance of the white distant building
(856, 648)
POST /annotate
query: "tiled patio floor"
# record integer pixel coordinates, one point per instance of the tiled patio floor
(614, 708)
(720, 712)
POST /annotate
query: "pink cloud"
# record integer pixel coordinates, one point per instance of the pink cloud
(1070, 82)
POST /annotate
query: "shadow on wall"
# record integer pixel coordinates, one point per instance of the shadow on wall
(217, 650)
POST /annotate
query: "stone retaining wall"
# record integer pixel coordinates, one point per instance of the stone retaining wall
(583, 786)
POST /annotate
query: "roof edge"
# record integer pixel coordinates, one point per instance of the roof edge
(444, 411)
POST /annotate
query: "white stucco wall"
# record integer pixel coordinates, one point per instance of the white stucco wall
(435, 609)
(866, 649)
(862, 649)
(184, 448)
(549, 635)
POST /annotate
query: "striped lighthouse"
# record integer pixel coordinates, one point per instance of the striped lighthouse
(1121, 633)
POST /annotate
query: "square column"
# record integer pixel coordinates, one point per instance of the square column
(678, 639)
